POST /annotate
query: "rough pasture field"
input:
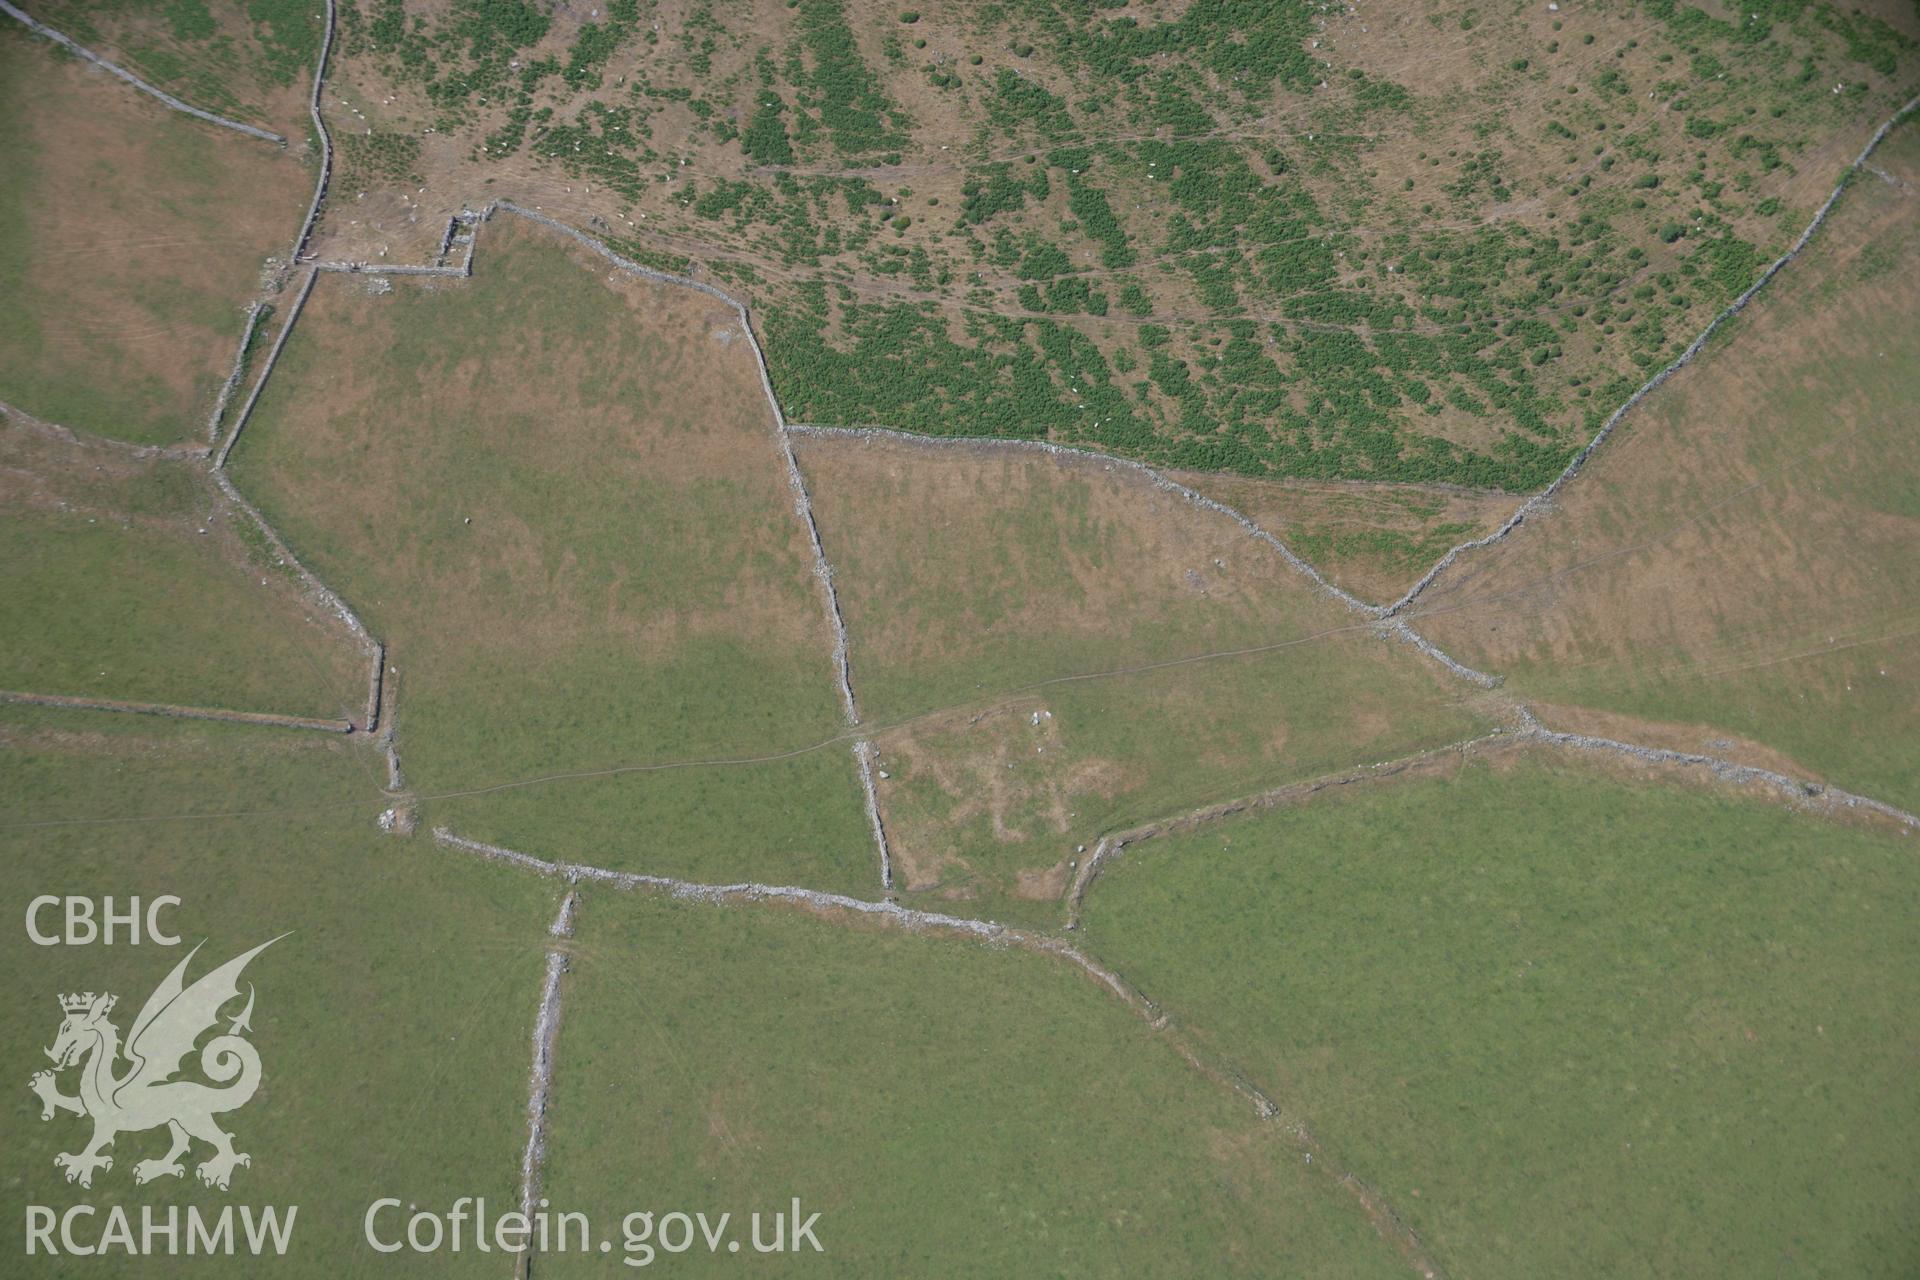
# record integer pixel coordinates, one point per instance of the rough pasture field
(132, 578)
(557, 494)
(1050, 648)
(1565, 1023)
(1439, 997)
(1739, 558)
(249, 60)
(948, 1108)
(393, 1024)
(1372, 540)
(131, 241)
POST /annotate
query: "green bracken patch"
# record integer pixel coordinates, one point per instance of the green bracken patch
(1352, 276)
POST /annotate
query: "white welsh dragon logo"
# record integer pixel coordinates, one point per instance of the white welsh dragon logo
(146, 1095)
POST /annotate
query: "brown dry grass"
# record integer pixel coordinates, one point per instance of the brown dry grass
(661, 396)
(557, 493)
(974, 760)
(1373, 540)
(1741, 554)
(1095, 652)
(131, 238)
(997, 562)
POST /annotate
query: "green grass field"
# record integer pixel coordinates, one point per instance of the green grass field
(948, 1108)
(394, 1023)
(562, 505)
(134, 580)
(131, 240)
(1567, 1025)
